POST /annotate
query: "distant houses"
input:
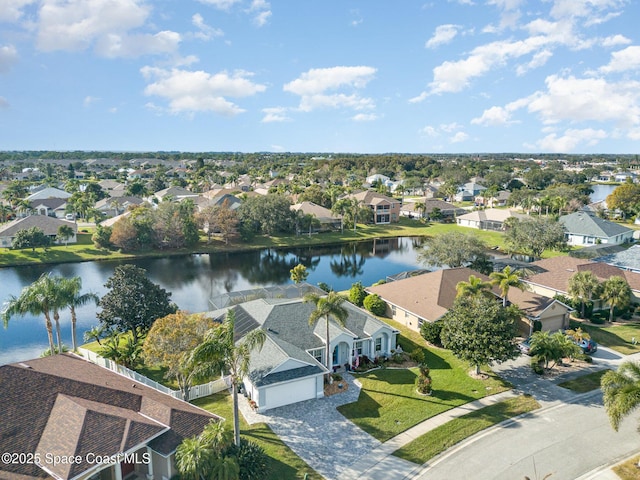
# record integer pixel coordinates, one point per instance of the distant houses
(48, 225)
(489, 219)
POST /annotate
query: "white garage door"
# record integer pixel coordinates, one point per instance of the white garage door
(292, 392)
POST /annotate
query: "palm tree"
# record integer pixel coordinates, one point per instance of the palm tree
(506, 279)
(621, 392)
(219, 351)
(475, 286)
(203, 457)
(582, 285)
(616, 292)
(327, 307)
(37, 299)
(72, 298)
(194, 459)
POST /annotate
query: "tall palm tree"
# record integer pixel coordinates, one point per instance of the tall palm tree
(72, 298)
(582, 285)
(616, 292)
(203, 457)
(37, 299)
(220, 351)
(506, 279)
(327, 307)
(475, 286)
(621, 392)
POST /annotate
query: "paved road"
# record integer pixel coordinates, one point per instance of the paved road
(568, 441)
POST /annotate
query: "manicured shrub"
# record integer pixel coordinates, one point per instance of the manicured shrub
(357, 294)
(253, 461)
(423, 381)
(375, 304)
(431, 331)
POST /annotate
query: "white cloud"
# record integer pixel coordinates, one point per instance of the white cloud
(623, 60)
(315, 85)
(570, 140)
(365, 117)
(199, 91)
(538, 60)
(493, 116)
(132, 46)
(89, 100)
(261, 10)
(220, 4)
(12, 10)
(76, 25)
(459, 137)
(591, 99)
(430, 131)
(442, 35)
(8, 57)
(318, 80)
(275, 114)
(205, 32)
(510, 13)
(615, 40)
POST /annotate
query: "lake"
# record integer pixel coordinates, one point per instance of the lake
(601, 191)
(194, 279)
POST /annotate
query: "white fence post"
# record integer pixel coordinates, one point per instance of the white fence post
(197, 391)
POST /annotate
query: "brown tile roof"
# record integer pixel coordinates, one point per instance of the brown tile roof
(558, 271)
(64, 404)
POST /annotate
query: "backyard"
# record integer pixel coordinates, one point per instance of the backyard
(389, 403)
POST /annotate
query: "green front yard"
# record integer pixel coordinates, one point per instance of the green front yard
(389, 403)
(427, 446)
(285, 464)
(584, 383)
(624, 339)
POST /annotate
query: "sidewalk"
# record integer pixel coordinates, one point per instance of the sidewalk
(380, 464)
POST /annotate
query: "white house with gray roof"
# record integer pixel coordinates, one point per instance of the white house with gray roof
(48, 225)
(290, 366)
(586, 228)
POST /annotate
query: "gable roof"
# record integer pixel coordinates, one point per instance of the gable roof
(558, 270)
(368, 197)
(65, 405)
(490, 215)
(48, 192)
(427, 296)
(321, 213)
(588, 223)
(49, 225)
(52, 203)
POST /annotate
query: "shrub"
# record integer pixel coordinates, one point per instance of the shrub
(537, 365)
(584, 357)
(417, 355)
(375, 304)
(357, 294)
(431, 331)
(537, 326)
(102, 237)
(423, 381)
(253, 461)
(598, 319)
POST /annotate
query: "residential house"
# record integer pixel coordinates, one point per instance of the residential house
(114, 206)
(555, 274)
(48, 192)
(424, 208)
(105, 425)
(290, 366)
(469, 191)
(385, 209)
(624, 176)
(628, 259)
(52, 207)
(379, 178)
(177, 194)
(428, 297)
(48, 225)
(586, 228)
(500, 199)
(113, 188)
(488, 219)
(327, 220)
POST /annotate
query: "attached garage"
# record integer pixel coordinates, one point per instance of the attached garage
(290, 392)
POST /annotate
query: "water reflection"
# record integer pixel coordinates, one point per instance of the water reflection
(193, 280)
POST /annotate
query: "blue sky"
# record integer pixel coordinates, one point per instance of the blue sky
(457, 76)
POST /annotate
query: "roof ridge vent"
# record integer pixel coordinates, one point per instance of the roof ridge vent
(24, 365)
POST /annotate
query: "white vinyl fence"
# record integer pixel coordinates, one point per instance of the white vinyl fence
(196, 391)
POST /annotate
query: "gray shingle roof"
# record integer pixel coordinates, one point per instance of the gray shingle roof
(48, 225)
(588, 223)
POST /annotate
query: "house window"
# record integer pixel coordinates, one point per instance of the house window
(393, 310)
(357, 348)
(318, 354)
(420, 322)
(378, 344)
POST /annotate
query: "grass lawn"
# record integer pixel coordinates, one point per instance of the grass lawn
(389, 404)
(628, 470)
(618, 337)
(285, 464)
(585, 383)
(427, 446)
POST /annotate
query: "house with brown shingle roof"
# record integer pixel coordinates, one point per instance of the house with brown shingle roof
(385, 209)
(428, 297)
(76, 420)
(327, 220)
(557, 271)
